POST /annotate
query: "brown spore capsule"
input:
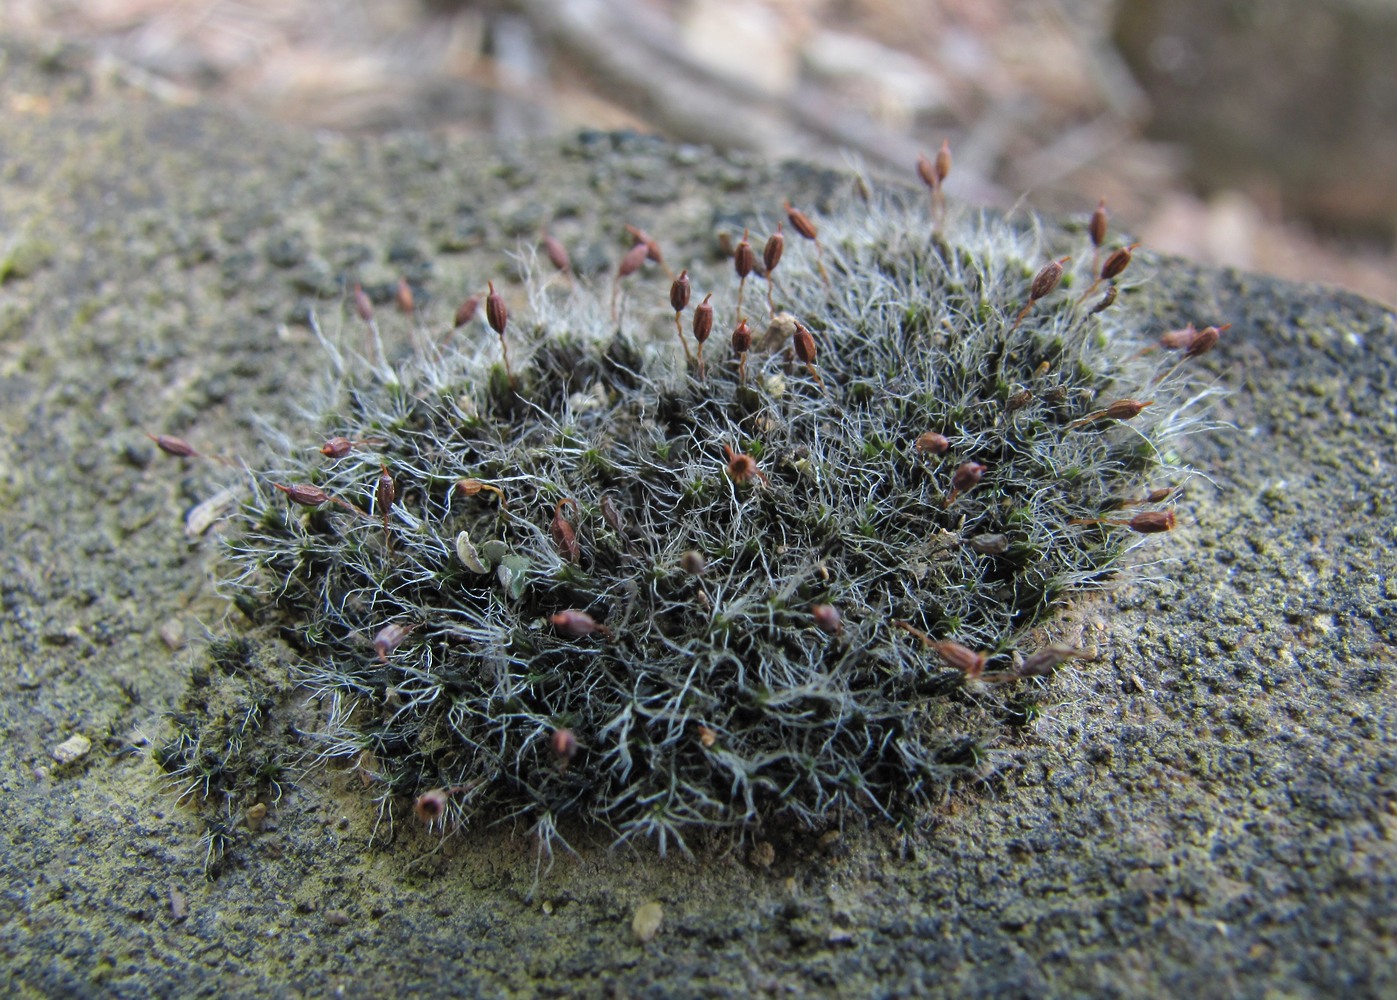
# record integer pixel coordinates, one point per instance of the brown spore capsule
(1174, 340)
(404, 297)
(305, 494)
(611, 515)
(741, 338)
(692, 562)
(932, 443)
(827, 618)
(652, 247)
(497, 315)
(1206, 339)
(679, 291)
(496, 312)
(742, 467)
(170, 445)
(385, 492)
(744, 258)
(1096, 228)
(703, 327)
(926, 170)
(389, 638)
(771, 252)
(430, 806)
(1044, 661)
(575, 624)
(563, 534)
(1046, 279)
(471, 487)
(1043, 283)
(967, 476)
(1152, 522)
(703, 320)
(1121, 409)
(741, 344)
(337, 447)
(465, 312)
(564, 744)
(1107, 300)
(308, 495)
(1117, 262)
(943, 162)
(557, 253)
(962, 658)
(1125, 409)
(362, 305)
(804, 345)
(630, 263)
(801, 223)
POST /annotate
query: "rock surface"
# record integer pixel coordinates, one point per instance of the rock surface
(1210, 810)
(1284, 98)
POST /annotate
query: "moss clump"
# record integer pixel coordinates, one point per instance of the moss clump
(221, 752)
(600, 585)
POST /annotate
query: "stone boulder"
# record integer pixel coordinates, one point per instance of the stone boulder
(1208, 809)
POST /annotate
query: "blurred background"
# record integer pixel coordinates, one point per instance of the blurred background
(1260, 134)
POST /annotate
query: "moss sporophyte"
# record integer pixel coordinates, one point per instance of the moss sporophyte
(799, 578)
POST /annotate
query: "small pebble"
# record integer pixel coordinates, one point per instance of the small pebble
(172, 634)
(990, 545)
(256, 815)
(73, 749)
(646, 923)
(763, 854)
(336, 918)
(179, 906)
